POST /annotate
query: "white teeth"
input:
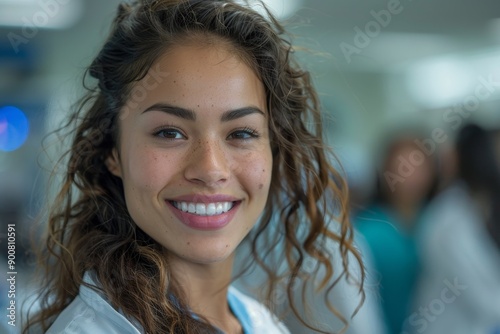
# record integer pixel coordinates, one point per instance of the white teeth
(202, 209)
(219, 209)
(211, 209)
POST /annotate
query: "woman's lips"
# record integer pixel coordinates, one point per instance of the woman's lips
(204, 222)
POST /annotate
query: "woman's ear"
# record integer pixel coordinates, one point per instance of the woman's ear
(113, 163)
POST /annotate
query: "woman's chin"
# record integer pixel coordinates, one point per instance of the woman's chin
(215, 253)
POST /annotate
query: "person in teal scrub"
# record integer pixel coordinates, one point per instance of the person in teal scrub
(389, 222)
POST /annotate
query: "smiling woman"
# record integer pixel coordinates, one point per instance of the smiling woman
(208, 153)
(172, 175)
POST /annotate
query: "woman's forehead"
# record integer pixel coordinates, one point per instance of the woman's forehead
(200, 77)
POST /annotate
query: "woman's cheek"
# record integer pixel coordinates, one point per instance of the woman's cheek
(149, 168)
(256, 169)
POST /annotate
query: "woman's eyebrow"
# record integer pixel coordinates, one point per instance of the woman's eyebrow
(240, 112)
(191, 115)
(173, 110)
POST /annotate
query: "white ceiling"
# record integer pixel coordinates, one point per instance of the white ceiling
(422, 28)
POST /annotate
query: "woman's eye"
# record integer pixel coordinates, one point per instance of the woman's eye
(169, 134)
(246, 133)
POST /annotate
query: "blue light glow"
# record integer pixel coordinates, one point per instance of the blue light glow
(14, 128)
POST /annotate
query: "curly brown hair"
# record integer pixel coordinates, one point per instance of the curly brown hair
(89, 227)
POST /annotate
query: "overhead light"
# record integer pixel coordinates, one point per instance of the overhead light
(440, 81)
(494, 28)
(55, 14)
(282, 9)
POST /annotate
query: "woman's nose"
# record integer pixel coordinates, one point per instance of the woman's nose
(208, 163)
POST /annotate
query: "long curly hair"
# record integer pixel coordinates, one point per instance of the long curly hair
(89, 227)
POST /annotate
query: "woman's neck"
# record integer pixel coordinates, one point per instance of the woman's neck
(206, 287)
(407, 211)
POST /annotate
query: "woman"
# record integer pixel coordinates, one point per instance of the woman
(194, 139)
(406, 183)
(459, 291)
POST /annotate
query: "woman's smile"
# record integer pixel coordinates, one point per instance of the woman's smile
(204, 212)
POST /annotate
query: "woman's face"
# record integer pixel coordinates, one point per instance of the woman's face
(194, 152)
(418, 182)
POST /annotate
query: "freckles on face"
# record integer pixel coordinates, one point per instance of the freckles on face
(144, 167)
(195, 154)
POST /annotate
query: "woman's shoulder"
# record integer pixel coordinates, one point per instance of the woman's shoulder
(90, 313)
(452, 214)
(253, 314)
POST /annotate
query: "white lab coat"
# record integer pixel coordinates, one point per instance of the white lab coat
(459, 291)
(90, 313)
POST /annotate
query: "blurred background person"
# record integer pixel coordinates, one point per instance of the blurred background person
(459, 241)
(405, 183)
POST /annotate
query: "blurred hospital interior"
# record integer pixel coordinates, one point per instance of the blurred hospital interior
(411, 95)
